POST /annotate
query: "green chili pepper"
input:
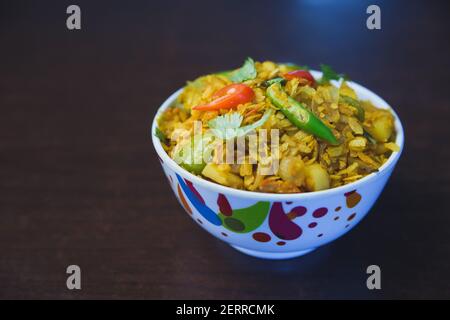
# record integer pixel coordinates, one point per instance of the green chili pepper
(299, 115)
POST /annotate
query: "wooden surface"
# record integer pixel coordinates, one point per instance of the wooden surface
(80, 182)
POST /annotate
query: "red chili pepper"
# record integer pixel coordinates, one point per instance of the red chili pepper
(300, 74)
(229, 97)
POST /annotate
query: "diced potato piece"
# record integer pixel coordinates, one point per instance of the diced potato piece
(235, 168)
(292, 169)
(214, 172)
(248, 180)
(224, 167)
(317, 178)
(382, 128)
(234, 181)
(246, 169)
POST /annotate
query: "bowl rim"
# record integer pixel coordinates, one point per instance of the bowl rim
(390, 163)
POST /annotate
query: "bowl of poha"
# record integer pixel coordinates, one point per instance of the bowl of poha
(276, 159)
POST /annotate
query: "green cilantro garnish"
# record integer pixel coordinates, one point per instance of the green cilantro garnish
(246, 72)
(329, 74)
(228, 126)
(269, 82)
(160, 135)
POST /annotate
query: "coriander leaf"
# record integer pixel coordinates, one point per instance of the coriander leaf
(231, 120)
(160, 135)
(228, 126)
(269, 82)
(246, 72)
(329, 74)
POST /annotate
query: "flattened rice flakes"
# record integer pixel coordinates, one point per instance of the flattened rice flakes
(364, 143)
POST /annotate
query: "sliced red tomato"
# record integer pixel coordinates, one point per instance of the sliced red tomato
(300, 74)
(229, 97)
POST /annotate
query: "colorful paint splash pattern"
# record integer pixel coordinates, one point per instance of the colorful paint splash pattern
(281, 225)
(183, 200)
(249, 219)
(352, 198)
(197, 201)
(243, 220)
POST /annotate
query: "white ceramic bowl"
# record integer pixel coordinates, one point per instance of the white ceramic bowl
(278, 226)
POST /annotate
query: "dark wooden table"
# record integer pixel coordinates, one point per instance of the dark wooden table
(80, 182)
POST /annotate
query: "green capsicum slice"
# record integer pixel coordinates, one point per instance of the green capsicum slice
(354, 103)
(299, 115)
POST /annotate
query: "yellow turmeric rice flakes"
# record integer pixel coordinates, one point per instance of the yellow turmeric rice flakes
(326, 136)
